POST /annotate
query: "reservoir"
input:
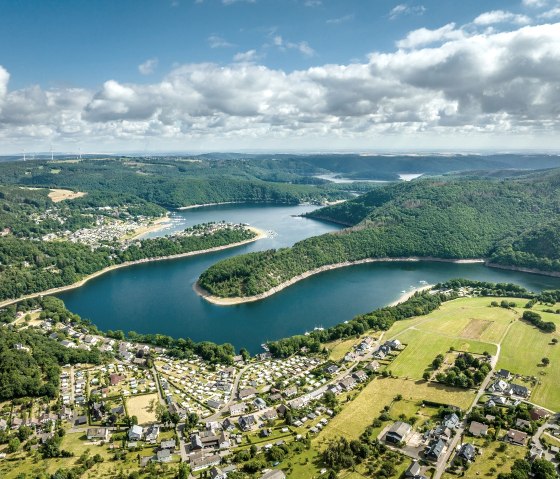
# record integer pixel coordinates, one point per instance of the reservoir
(158, 297)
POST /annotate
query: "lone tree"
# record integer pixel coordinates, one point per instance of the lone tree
(545, 361)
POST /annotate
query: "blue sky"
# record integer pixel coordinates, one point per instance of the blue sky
(236, 74)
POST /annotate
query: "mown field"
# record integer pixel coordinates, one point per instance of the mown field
(522, 351)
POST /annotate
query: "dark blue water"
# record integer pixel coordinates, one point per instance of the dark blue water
(158, 297)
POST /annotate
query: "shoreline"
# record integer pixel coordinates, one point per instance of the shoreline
(181, 208)
(49, 292)
(406, 296)
(249, 299)
(156, 225)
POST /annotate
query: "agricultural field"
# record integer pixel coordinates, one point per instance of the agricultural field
(522, 351)
(57, 195)
(143, 407)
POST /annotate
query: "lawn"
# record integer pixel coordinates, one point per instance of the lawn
(423, 346)
(522, 351)
(469, 318)
(142, 407)
(491, 457)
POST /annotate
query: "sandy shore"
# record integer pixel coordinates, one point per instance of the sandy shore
(259, 235)
(156, 225)
(404, 297)
(249, 299)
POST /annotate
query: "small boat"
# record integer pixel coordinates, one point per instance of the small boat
(265, 347)
(403, 291)
(318, 328)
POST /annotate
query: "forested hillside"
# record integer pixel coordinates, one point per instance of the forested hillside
(452, 219)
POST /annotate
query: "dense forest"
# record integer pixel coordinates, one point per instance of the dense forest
(449, 218)
(32, 266)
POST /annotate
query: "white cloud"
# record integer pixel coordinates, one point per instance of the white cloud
(245, 57)
(534, 3)
(215, 41)
(148, 67)
(443, 85)
(405, 9)
(550, 14)
(339, 20)
(231, 2)
(425, 36)
(302, 47)
(501, 16)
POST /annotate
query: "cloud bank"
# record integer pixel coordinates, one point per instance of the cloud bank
(444, 82)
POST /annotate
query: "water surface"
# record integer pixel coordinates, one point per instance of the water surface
(158, 297)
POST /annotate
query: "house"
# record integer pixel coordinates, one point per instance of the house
(3, 424)
(152, 433)
(97, 411)
(282, 410)
(297, 403)
(237, 409)
(217, 473)
(116, 379)
(348, 383)
(205, 461)
(270, 415)
(523, 424)
(442, 432)
(451, 421)
(135, 433)
(274, 474)
(538, 413)
(169, 444)
(373, 366)
(196, 442)
(398, 432)
(246, 423)
(259, 403)
(164, 455)
(214, 403)
(434, 452)
(332, 369)
(247, 393)
(413, 470)
(290, 392)
(80, 420)
(228, 425)
(360, 376)
(467, 452)
(478, 429)
(97, 434)
(499, 386)
(518, 390)
(516, 437)
(503, 374)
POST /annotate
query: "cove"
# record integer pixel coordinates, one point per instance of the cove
(158, 297)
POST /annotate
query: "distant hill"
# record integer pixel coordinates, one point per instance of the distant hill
(446, 218)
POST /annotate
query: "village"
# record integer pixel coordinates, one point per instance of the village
(254, 414)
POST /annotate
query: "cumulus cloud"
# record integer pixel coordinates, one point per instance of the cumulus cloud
(550, 14)
(535, 3)
(215, 41)
(439, 83)
(248, 56)
(148, 67)
(501, 16)
(404, 9)
(425, 36)
(302, 47)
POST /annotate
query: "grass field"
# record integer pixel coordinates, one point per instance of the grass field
(490, 458)
(141, 407)
(423, 346)
(522, 351)
(359, 414)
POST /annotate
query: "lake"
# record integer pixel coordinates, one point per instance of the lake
(158, 297)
